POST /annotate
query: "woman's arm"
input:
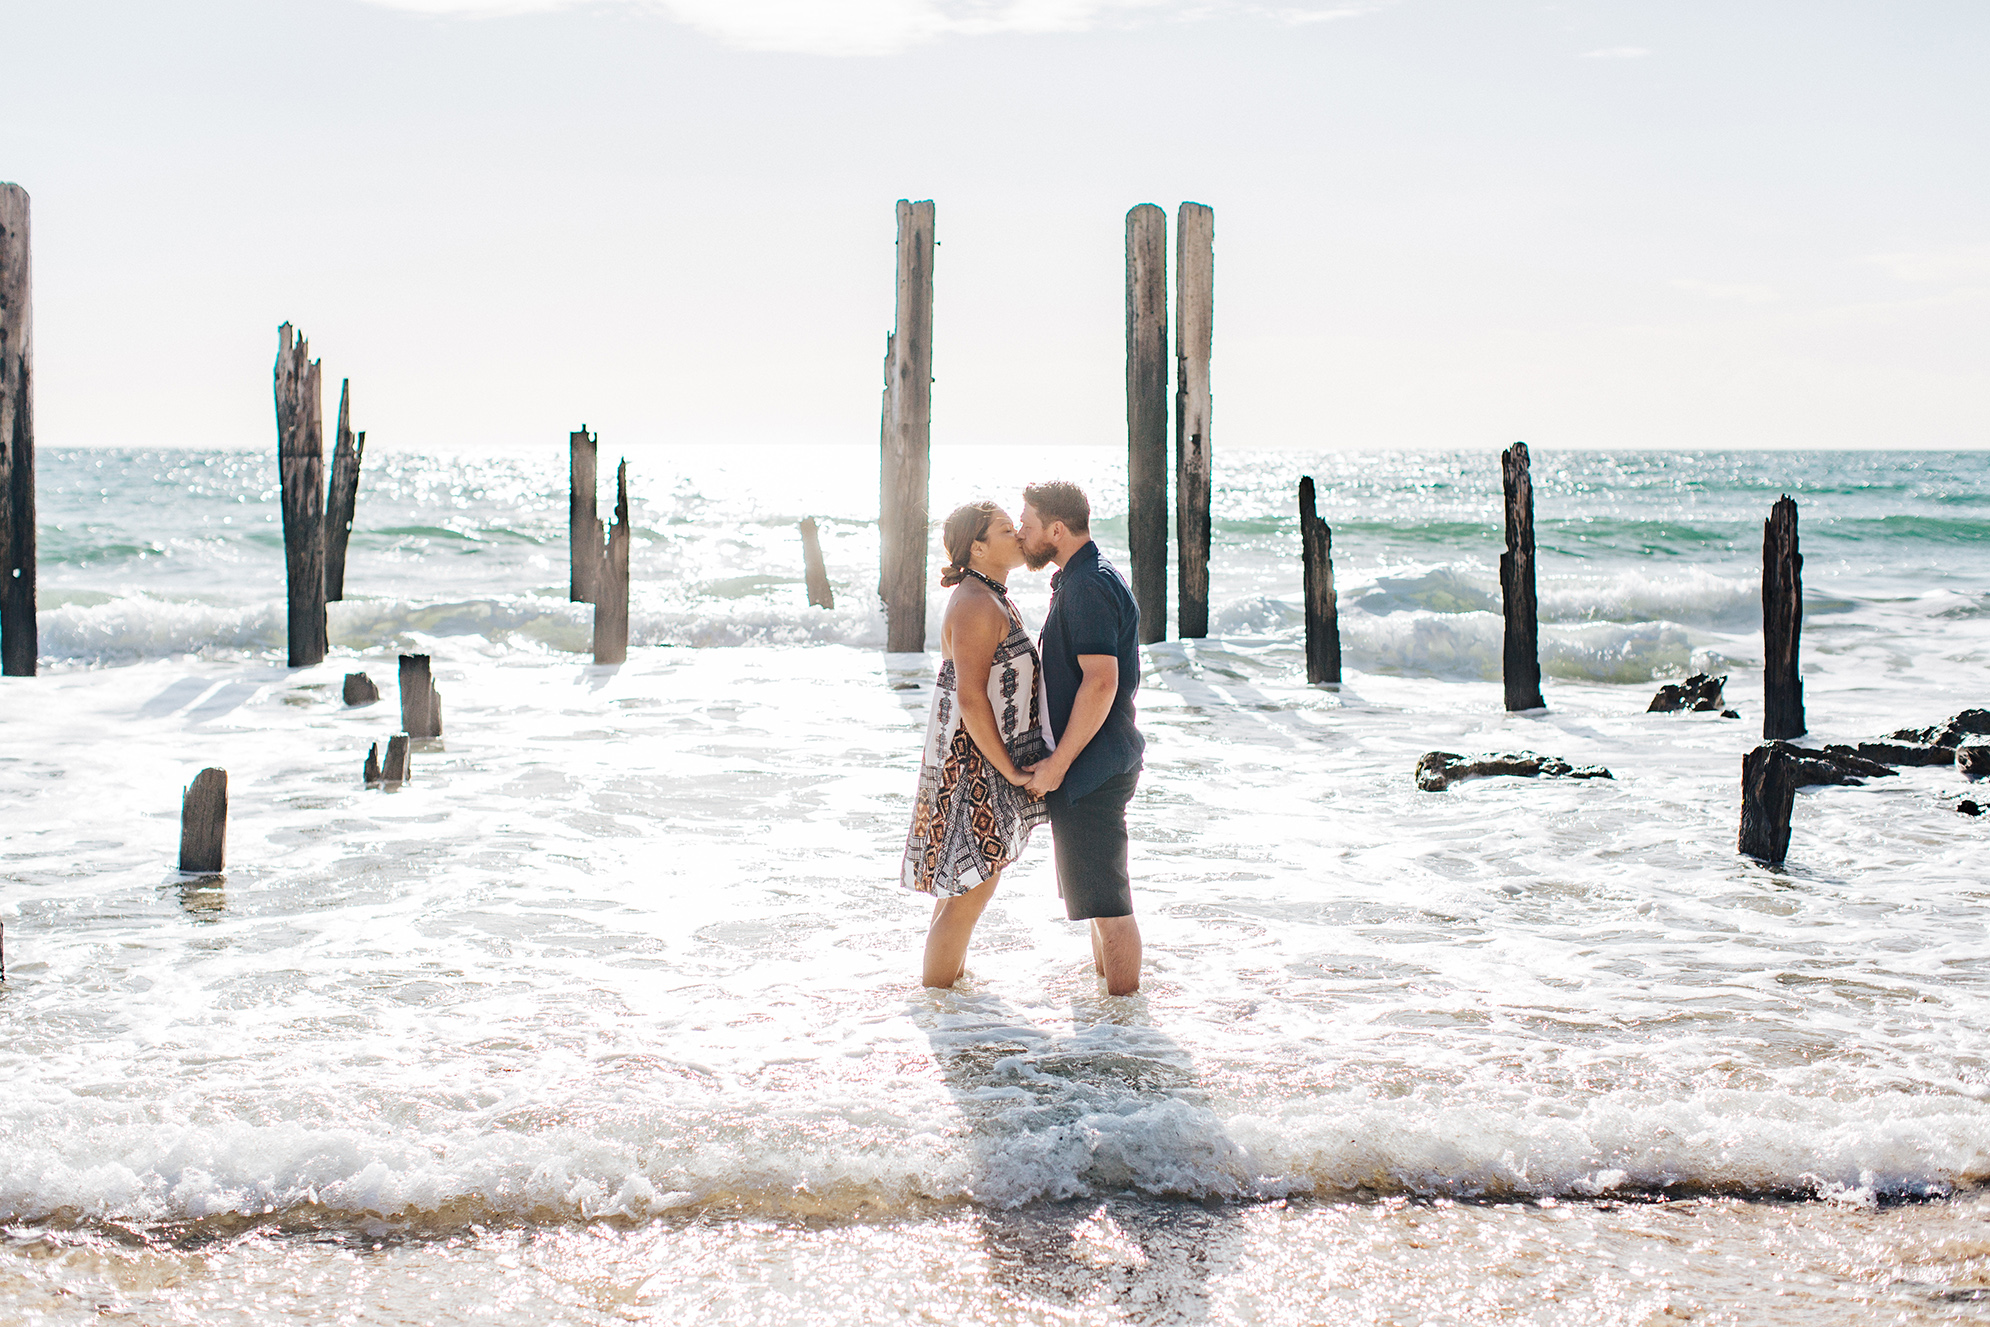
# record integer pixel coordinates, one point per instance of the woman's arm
(979, 624)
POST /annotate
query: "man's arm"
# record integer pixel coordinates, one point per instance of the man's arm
(1088, 715)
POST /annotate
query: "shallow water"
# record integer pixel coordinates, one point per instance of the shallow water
(611, 1010)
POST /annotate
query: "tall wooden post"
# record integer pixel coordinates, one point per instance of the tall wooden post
(1316, 542)
(19, 644)
(1782, 623)
(611, 597)
(344, 495)
(1768, 796)
(1195, 299)
(421, 703)
(1147, 415)
(907, 436)
(1522, 655)
(583, 526)
(204, 823)
(813, 569)
(300, 460)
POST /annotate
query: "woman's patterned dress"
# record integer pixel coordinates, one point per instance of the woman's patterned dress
(970, 822)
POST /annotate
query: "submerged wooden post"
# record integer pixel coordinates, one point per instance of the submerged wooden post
(343, 497)
(359, 690)
(369, 773)
(397, 767)
(1316, 541)
(583, 525)
(204, 823)
(907, 436)
(1768, 795)
(1195, 299)
(300, 459)
(1782, 623)
(1522, 654)
(819, 593)
(611, 598)
(421, 703)
(19, 643)
(1147, 416)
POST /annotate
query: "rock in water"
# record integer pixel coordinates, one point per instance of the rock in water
(359, 689)
(1699, 692)
(1973, 761)
(1898, 753)
(1968, 807)
(1438, 770)
(1969, 723)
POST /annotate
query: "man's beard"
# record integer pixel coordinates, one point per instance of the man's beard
(1037, 557)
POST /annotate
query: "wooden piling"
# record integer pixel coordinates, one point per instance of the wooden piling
(1521, 663)
(1768, 795)
(583, 523)
(611, 598)
(1316, 542)
(1782, 623)
(300, 451)
(817, 574)
(359, 690)
(398, 767)
(343, 496)
(369, 774)
(1147, 416)
(1195, 297)
(907, 434)
(421, 703)
(204, 823)
(19, 643)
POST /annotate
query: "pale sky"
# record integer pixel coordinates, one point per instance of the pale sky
(1438, 222)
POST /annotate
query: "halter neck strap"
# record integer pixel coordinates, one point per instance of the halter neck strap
(991, 583)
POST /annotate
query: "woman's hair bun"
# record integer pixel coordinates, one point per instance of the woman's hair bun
(950, 576)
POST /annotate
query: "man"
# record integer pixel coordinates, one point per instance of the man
(1091, 668)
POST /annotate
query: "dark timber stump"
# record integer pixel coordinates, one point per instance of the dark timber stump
(359, 690)
(19, 644)
(344, 495)
(300, 458)
(1782, 623)
(583, 526)
(1522, 655)
(611, 599)
(421, 703)
(1768, 795)
(819, 593)
(1316, 542)
(397, 768)
(204, 823)
(907, 436)
(370, 773)
(1147, 416)
(1195, 298)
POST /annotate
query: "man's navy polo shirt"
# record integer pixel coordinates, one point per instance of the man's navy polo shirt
(1092, 612)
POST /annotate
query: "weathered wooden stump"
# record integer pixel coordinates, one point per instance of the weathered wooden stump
(421, 703)
(1521, 657)
(398, 767)
(300, 452)
(370, 773)
(907, 436)
(1782, 623)
(1195, 302)
(19, 642)
(1316, 542)
(204, 823)
(1768, 795)
(611, 599)
(359, 689)
(813, 569)
(343, 497)
(1147, 416)
(583, 524)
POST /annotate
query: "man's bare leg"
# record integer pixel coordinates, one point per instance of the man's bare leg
(1098, 953)
(1116, 947)
(952, 927)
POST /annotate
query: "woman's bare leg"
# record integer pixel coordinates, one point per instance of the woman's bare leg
(952, 927)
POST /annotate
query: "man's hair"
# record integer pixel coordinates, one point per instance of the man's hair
(1061, 500)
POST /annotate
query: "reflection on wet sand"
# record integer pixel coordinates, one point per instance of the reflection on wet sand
(1063, 1198)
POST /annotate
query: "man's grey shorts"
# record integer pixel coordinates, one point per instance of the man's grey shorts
(1089, 840)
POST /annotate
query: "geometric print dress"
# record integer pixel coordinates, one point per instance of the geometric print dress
(969, 821)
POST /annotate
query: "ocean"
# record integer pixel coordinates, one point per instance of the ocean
(611, 1014)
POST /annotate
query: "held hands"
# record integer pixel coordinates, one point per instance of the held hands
(1045, 777)
(1016, 776)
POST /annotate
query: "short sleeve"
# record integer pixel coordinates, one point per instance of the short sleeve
(1092, 619)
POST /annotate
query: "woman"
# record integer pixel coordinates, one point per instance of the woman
(989, 725)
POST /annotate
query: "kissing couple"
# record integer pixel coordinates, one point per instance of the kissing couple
(1026, 732)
